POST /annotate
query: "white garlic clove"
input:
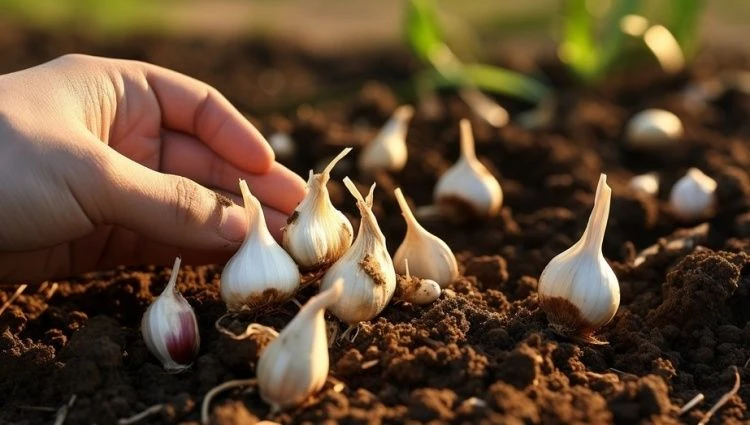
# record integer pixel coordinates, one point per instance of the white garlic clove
(653, 129)
(169, 327)
(282, 145)
(295, 364)
(366, 268)
(317, 234)
(578, 289)
(415, 290)
(260, 272)
(692, 196)
(388, 150)
(429, 257)
(645, 183)
(468, 183)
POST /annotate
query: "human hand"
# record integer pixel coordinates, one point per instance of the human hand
(106, 162)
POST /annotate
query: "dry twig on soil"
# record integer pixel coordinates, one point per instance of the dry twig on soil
(724, 399)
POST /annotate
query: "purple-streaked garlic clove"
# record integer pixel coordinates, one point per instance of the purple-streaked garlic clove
(170, 329)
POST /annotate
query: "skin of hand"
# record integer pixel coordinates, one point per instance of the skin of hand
(108, 162)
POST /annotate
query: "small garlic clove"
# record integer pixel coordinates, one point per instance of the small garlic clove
(317, 234)
(169, 327)
(645, 183)
(468, 184)
(578, 290)
(653, 129)
(429, 257)
(295, 364)
(282, 145)
(388, 150)
(692, 196)
(260, 272)
(415, 290)
(366, 268)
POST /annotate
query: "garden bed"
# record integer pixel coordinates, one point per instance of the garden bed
(483, 351)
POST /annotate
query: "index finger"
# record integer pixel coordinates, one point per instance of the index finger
(195, 108)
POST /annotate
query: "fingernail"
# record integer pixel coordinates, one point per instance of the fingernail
(233, 223)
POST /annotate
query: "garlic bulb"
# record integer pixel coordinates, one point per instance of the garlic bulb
(388, 150)
(578, 289)
(652, 129)
(468, 183)
(692, 197)
(415, 290)
(169, 327)
(260, 272)
(366, 268)
(282, 145)
(646, 183)
(295, 364)
(317, 234)
(429, 257)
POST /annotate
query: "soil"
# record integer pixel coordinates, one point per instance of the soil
(482, 353)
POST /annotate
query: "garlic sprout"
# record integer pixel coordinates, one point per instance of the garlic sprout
(260, 272)
(295, 364)
(387, 151)
(317, 234)
(468, 183)
(578, 289)
(169, 327)
(366, 268)
(692, 196)
(429, 256)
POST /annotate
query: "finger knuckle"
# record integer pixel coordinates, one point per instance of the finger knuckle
(187, 195)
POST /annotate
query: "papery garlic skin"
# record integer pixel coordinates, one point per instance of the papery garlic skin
(645, 183)
(578, 289)
(260, 272)
(366, 268)
(317, 234)
(692, 196)
(468, 183)
(427, 255)
(282, 145)
(653, 128)
(169, 327)
(387, 151)
(295, 364)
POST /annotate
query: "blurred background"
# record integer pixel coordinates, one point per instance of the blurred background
(333, 25)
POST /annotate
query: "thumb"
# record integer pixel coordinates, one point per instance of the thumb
(172, 209)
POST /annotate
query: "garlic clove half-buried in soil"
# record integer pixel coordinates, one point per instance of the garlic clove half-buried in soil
(645, 183)
(653, 129)
(366, 268)
(578, 289)
(429, 257)
(468, 186)
(692, 196)
(260, 272)
(387, 151)
(317, 234)
(295, 364)
(414, 290)
(169, 327)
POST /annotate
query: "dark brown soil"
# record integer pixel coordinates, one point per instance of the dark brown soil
(483, 353)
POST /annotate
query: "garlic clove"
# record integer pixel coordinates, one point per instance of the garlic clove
(169, 327)
(415, 290)
(387, 151)
(429, 257)
(653, 129)
(578, 290)
(317, 234)
(645, 183)
(692, 196)
(295, 364)
(282, 145)
(468, 184)
(260, 272)
(366, 268)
